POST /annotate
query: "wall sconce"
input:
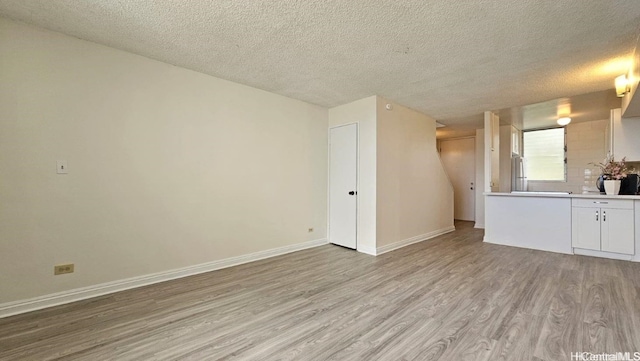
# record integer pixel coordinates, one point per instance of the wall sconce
(622, 86)
(564, 121)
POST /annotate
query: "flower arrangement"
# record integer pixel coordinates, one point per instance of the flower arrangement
(612, 170)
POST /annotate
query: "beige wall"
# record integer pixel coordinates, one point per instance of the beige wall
(586, 143)
(363, 112)
(167, 167)
(403, 192)
(415, 197)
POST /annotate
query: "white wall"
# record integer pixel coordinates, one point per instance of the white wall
(167, 167)
(363, 112)
(415, 197)
(492, 152)
(480, 178)
(505, 158)
(542, 223)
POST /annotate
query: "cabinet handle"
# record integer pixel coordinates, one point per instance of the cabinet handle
(597, 214)
(599, 202)
(604, 216)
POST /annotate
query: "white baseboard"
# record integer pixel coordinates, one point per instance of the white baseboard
(479, 225)
(55, 299)
(368, 250)
(412, 240)
(543, 249)
(602, 254)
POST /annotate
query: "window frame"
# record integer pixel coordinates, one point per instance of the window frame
(524, 155)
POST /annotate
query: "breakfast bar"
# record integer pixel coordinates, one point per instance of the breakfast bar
(588, 224)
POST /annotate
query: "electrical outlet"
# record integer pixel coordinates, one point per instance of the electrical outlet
(310, 230)
(62, 269)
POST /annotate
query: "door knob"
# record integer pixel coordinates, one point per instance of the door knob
(352, 193)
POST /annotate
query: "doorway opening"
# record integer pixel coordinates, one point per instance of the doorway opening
(459, 160)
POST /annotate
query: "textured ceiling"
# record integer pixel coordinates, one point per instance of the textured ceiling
(449, 59)
(580, 108)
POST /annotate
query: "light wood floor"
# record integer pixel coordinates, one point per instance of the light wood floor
(450, 298)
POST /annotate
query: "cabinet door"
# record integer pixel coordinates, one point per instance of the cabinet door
(585, 228)
(617, 230)
(625, 139)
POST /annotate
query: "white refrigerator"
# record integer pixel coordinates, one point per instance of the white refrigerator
(518, 174)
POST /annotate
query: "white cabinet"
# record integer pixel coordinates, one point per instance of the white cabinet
(617, 230)
(625, 136)
(585, 228)
(603, 225)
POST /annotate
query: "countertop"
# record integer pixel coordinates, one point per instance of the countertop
(560, 195)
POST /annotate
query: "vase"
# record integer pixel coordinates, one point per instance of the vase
(612, 187)
(600, 183)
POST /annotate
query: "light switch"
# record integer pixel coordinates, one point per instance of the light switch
(61, 167)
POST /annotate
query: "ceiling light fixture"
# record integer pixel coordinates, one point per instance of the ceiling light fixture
(564, 121)
(622, 86)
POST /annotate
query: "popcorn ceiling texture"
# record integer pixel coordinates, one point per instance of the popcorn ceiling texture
(449, 59)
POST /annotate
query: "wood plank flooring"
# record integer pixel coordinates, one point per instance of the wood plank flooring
(450, 298)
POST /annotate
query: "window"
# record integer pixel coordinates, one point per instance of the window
(544, 151)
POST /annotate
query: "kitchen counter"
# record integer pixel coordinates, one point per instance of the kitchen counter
(561, 195)
(543, 221)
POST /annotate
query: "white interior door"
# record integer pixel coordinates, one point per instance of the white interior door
(459, 159)
(343, 178)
